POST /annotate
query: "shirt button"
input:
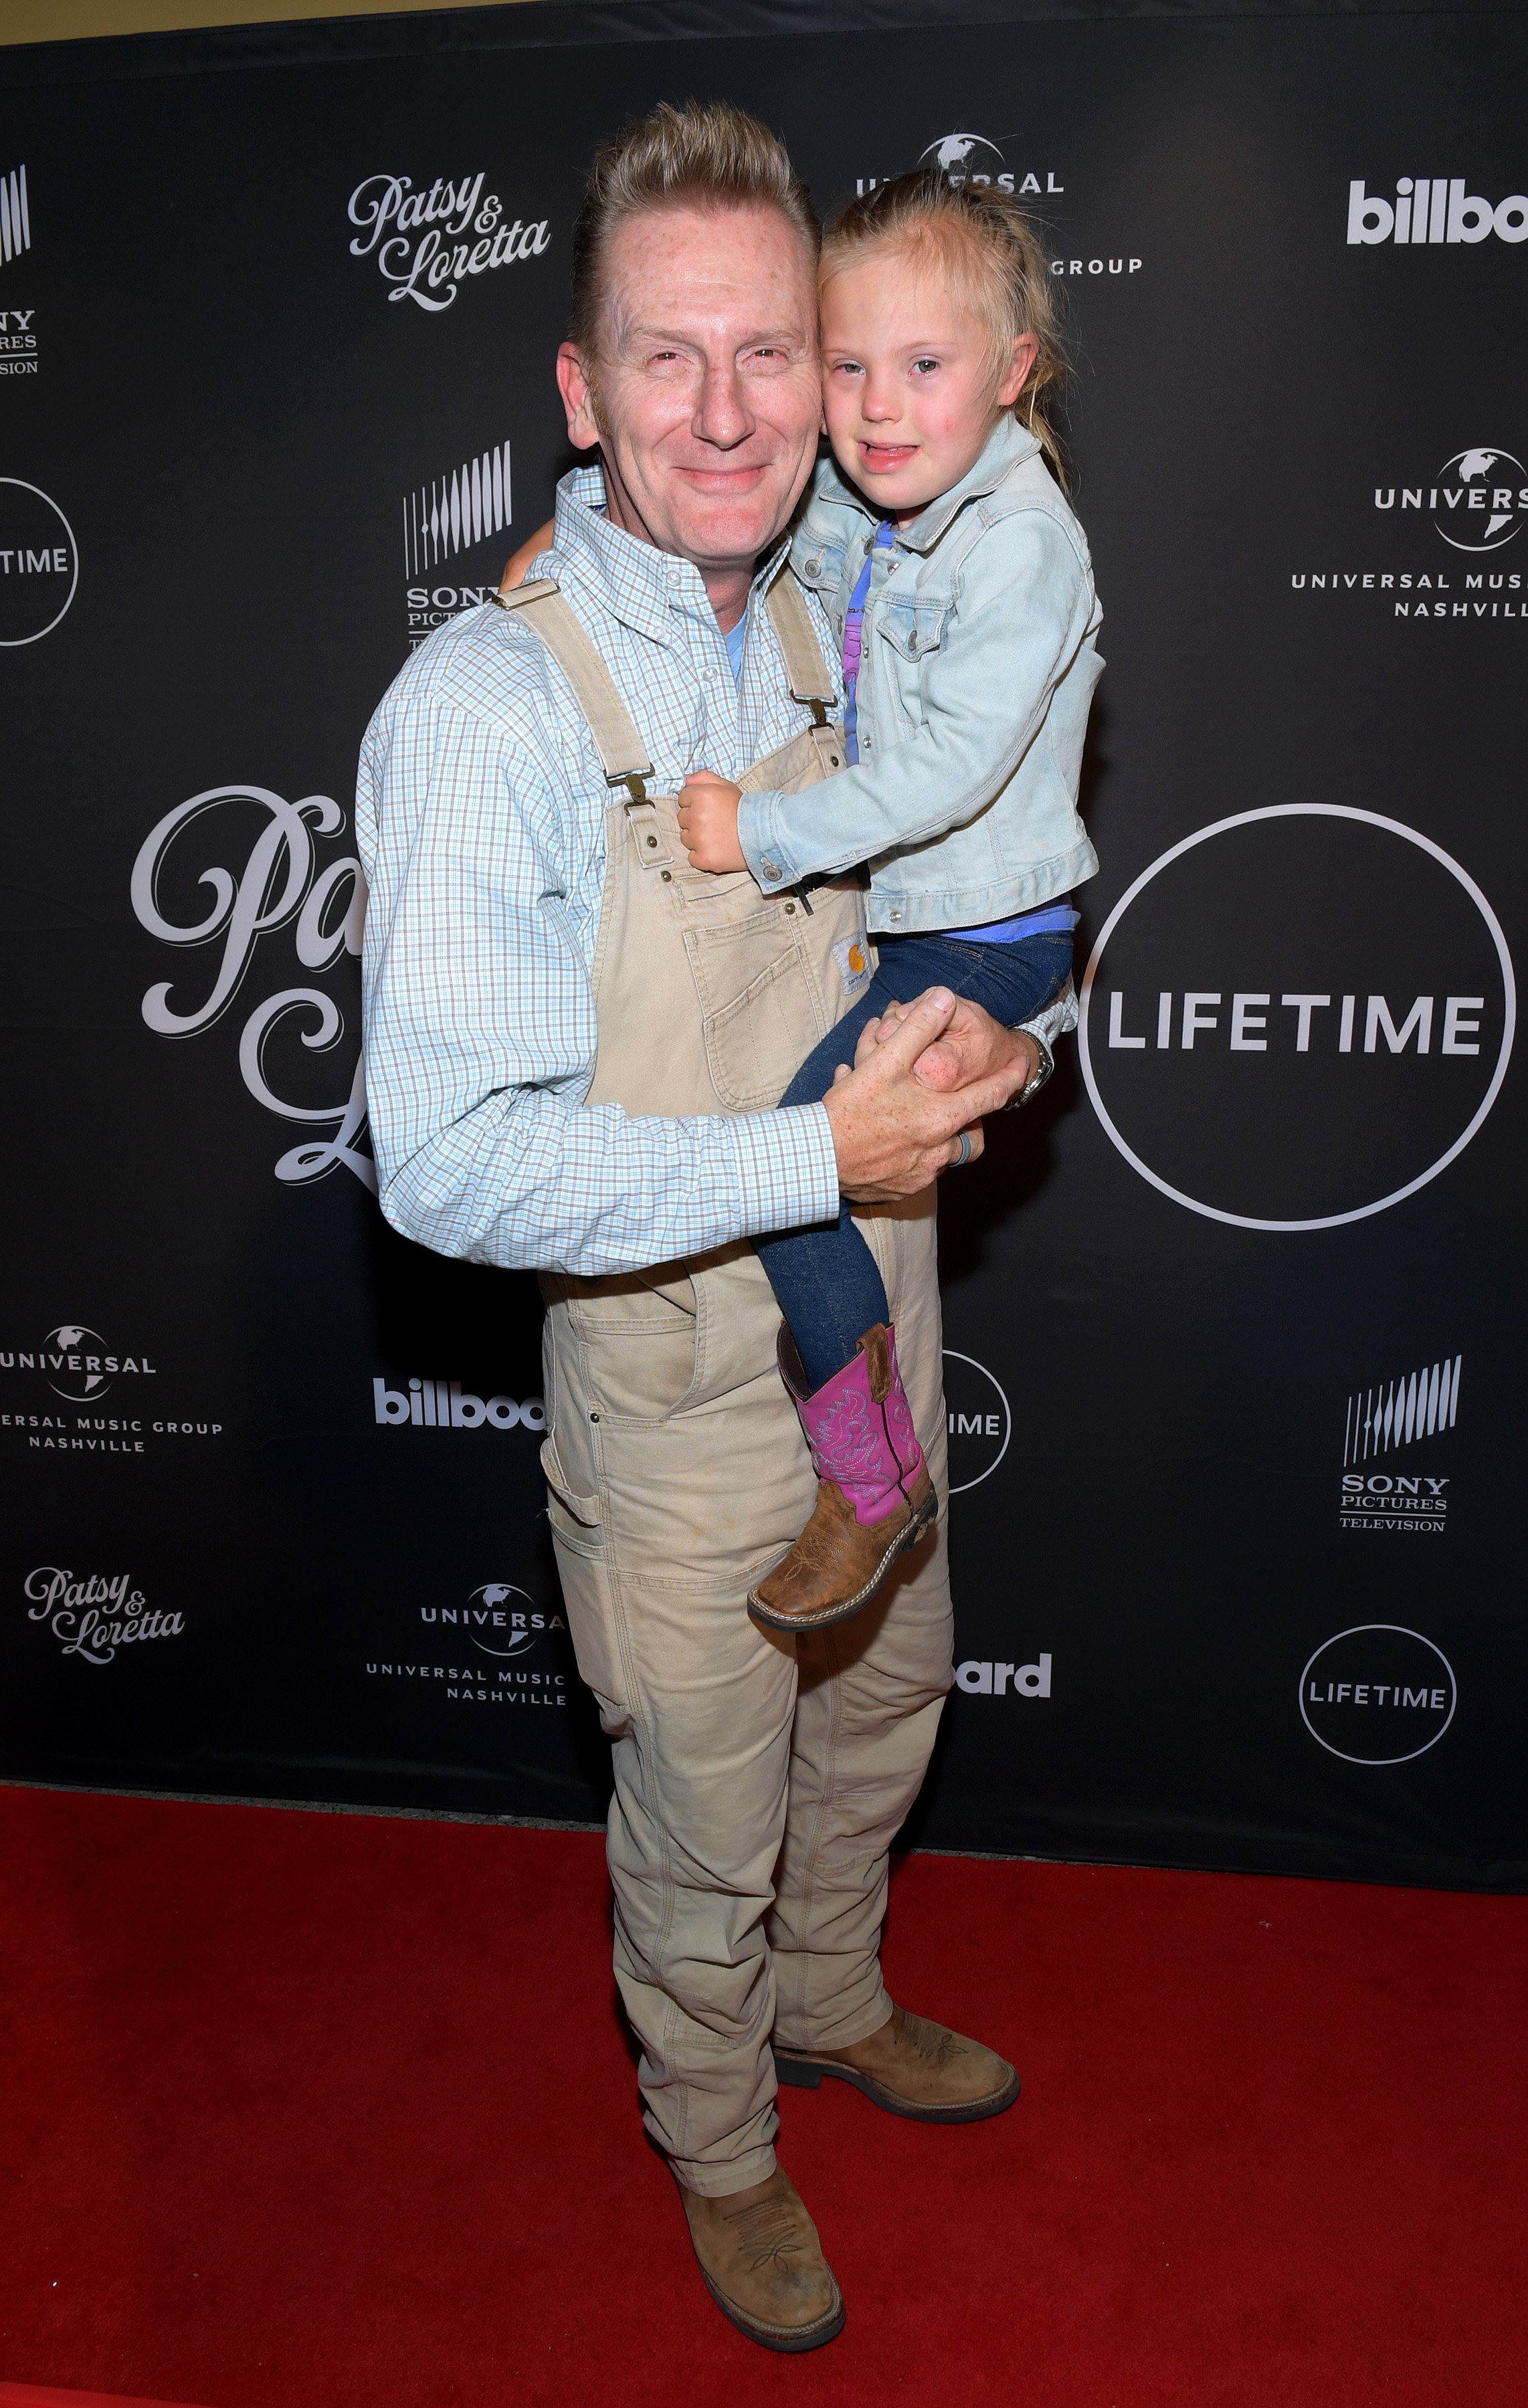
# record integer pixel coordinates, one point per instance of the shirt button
(770, 868)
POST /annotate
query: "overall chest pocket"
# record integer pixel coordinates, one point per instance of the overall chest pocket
(762, 1008)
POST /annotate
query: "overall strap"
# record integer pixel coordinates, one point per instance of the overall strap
(807, 673)
(622, 753)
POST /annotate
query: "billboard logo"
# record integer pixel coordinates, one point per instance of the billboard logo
(40, 564)
(980, 1680)
(441, 1404)
(1377, 1694)
(1248, 1029)
(1434, 209)
(15, 217)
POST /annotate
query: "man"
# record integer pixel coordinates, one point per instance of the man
(573, 1047)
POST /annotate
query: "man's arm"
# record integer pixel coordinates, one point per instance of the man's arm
(984, 699)
(480, 1039)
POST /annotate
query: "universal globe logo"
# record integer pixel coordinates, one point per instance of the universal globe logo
(1475, 501)
(1250, 1031)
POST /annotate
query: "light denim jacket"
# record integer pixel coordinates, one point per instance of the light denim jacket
(978, 664)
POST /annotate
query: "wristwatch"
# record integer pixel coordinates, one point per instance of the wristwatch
(1040, 1072)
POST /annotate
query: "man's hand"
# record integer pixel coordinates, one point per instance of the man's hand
(973, 1046)
(708, 822)
(892, 1136)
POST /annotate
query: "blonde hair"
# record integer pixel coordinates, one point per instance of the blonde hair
(706, 155)
(985, 247)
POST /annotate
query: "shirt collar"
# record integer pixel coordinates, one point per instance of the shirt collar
(637, 583)
(1008, 443)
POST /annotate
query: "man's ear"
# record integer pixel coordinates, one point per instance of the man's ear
(577, 398)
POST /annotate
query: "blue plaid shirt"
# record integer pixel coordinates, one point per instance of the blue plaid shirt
(480, 820)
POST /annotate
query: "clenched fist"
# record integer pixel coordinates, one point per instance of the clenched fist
(708, 822)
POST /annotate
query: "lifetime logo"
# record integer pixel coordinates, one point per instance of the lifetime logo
(1434, 209)
(444, 1404)
(1248, 1016)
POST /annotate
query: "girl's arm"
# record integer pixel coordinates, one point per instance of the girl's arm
(1024, 604)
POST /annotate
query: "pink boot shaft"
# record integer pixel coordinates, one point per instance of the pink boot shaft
(860, 1426)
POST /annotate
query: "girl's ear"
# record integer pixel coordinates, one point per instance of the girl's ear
(1025, 351)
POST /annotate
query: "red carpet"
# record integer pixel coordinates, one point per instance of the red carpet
(321, 2111)
(35, 2395)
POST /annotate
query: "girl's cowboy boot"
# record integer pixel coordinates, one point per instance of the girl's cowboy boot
(875, 1496)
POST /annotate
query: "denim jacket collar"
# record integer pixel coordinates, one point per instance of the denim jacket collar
(1008, 443)
(641, 586)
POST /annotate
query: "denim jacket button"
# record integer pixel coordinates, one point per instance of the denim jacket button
(770, 868)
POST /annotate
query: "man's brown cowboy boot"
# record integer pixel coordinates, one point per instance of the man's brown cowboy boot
(914, 2068)
(875, 1496)
(762, 2263)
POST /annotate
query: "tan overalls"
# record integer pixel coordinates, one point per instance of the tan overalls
(759, 1779)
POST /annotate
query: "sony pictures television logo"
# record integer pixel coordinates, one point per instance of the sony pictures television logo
(1250, 1031)
(1395, 1416)
(427, 242)
(40, 563)
(1377, 1694)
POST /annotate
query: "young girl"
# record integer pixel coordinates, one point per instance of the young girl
(959, 585)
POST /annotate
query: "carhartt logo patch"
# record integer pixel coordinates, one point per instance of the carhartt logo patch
(852, 963)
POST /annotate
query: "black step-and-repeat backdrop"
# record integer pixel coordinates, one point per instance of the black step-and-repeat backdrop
(1233, 1314)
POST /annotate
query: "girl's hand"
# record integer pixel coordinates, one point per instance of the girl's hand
(708, 822)
(519, 562)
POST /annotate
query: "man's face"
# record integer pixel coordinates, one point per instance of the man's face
(708, 399)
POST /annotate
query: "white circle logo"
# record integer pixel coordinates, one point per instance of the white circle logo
(1249, 1027)
(977, 1418)
(1377, 1694)
(40, 564)
(1477, 501)
(508, 1609)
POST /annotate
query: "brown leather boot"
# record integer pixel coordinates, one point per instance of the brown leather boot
(914, 2068)
(874, 1497)
(762, 2263)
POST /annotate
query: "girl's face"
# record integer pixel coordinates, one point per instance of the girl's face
(909, 394)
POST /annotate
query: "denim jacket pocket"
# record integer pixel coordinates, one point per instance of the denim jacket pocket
(913, 625)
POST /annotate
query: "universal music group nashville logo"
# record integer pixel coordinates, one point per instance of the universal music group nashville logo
(1472, 508)
(79, 1394)
(529, 1660)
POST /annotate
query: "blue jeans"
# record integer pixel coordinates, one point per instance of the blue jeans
(825, 1278)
